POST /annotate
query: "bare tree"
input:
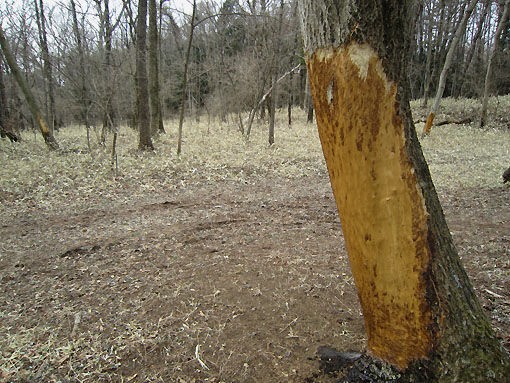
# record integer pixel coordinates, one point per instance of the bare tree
(421, 313)
(155, 102)
(27, 92)
(47, 65)
(486, 89)
(84, 93)
(448, 62)
(274, 73)
(145, 142)
(185, 77)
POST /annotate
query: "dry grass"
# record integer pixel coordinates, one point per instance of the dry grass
(458, 156)
(31, 174)
(464, 156)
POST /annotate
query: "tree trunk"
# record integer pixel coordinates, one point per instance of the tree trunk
(486, 89)
(155, 102)
(160, 57)
(475, 40)
(308, 102)
(428, 63)
(145, 141)
(185, 77)
(421, 313)
(108, 112)
(274, 72)
(7, 128)
(448, 62)
(271, 108)
(3, 101)
(85, 100)
(290, 102)
(47, 68)
(31, 101)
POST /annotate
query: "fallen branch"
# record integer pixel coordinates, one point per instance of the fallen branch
(275, 83)
(264, 96)
(197, 355)
(77, 321)
(466, 120)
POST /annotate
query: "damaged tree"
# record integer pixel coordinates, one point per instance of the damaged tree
(421, 313)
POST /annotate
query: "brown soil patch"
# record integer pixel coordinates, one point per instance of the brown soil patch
(214, 282)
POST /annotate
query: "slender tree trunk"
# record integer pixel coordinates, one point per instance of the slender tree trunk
(185, 78)
(447, 64)
(440, 43)
(486, 89)
(290, 102)
(421, 313)
(31, 101)
(108, 112)
(160, 55)
(3, 101)
(274, 73)
(145, 141)
(307, 101)
(85, 101)
(271, 102)
(47, 65)
(428, 63)
(155, 103)
(474, 43)
(7, 128)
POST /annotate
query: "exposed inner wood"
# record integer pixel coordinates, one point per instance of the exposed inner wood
(382, 209)
(428, 123)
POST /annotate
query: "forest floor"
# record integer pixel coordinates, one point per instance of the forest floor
(225, 265)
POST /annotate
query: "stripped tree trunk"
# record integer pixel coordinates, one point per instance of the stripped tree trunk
(447, 64)
(31, 101)
(421, 313)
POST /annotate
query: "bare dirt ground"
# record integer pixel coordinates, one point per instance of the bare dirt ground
(224, 280)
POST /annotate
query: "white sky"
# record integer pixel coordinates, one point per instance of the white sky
(6, 5)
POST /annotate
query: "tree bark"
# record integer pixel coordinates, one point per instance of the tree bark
(475, 41)
(31, 101)
(3, 101)
(447, 64)
(486, 88)
(274, 72)
(421, 313)
(271, 107)
(185, 77)
(47, 66)
(145, 141)
(428, 63)
(85, 101)
(7, 128)
(108, 112)
(155, 102)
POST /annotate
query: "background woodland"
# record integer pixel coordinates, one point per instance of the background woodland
(232, 59)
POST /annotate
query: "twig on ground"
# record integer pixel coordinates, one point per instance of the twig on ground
(197, 355)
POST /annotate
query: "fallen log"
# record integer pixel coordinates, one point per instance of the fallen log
(466, 120)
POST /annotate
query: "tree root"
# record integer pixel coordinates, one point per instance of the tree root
(352, 367)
